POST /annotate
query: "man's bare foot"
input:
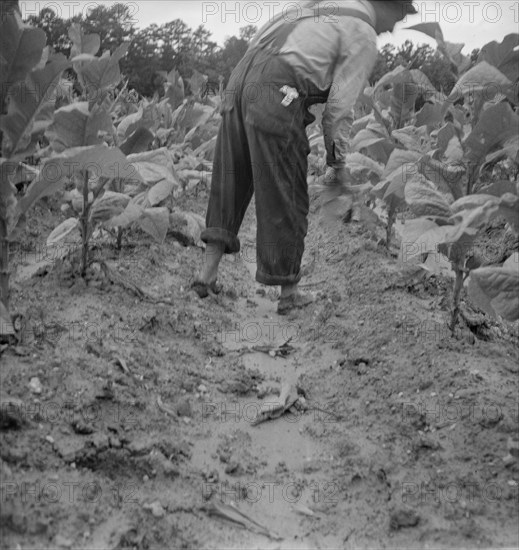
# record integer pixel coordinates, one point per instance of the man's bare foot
(294, 300)
(204, 289)
(206, 280)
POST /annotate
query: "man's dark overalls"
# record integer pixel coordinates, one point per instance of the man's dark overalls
(262, 147)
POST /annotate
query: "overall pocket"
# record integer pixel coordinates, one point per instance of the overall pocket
(263, 109)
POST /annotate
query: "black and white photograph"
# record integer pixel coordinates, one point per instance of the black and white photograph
(259, 275)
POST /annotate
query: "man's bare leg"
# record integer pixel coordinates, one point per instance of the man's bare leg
(213, 256)
(289, 290)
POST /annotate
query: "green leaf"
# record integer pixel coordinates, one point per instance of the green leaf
(496, 290)
(510, 149)
(21, 49)
(430, 116)
(495, 127)
(358, 164)
(503, 55)
(83, 43)
(193, 114)
(413, 138)
(187, 227)
(155, 222)
(62, 231)
(403, 98)
(174, 89)
(75, 126)
(499, 188)
(155, 166)
(365, 139)
(430, 29)
(483, 77)
(424, 200)
(147, 117)
(400, 168)
(453, 53)
(53, 174)
(7, 194)
(101, 73)
(413, 248)
(108, 206)
(26, 100)
(6, 324)
(100, 160)
(426, 88)
(161, 191)
(197, 82)
(509, 209)
(470, 202)
(512, 262)
(131, 214)
(137, 142)
(448, 178)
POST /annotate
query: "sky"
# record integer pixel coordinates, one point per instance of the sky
(471, 22)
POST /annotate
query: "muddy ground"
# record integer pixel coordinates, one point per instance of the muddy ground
(128, 422)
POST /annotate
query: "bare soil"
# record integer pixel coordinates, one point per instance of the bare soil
(138, 432)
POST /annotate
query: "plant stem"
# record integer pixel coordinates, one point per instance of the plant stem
(4, 264)
(119, 238)
(458, 285)
(85, 226)
(389, 228)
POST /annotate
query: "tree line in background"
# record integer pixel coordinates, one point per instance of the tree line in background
(174, 45)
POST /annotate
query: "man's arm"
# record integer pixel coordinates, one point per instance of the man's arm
(354, 65)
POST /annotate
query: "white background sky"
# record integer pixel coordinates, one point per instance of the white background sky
(471, 22)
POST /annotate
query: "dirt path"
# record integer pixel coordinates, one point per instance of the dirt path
(141, 432)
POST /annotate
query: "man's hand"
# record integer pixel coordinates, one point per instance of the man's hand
(340, 201)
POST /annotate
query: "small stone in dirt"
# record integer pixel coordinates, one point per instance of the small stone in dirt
(513, 447)
(233, 468)
(202, 389)
(281, 467)
(83, 428)
(403, 518)
(100, 441)
(35, 385)
(70, 447)
(62, 542)
(156, 509)
(184, 408)
(509, 460)
(211, 477)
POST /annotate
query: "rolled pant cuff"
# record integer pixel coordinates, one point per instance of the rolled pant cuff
(219, 235)
(277, 280)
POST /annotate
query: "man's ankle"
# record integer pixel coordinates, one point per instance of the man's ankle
(288, 290)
